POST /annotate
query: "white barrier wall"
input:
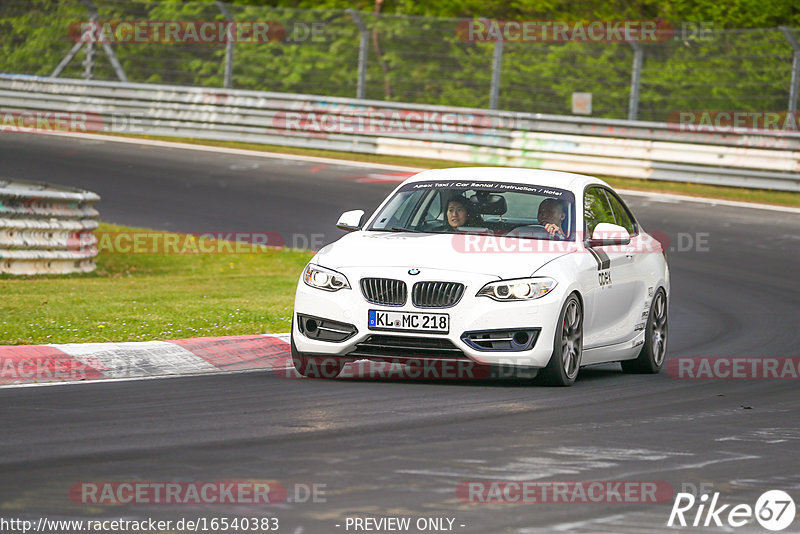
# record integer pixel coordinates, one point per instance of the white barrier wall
(46, 229)
(631, 149)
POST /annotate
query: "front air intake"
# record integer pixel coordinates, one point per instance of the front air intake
(402, 348)
(324, 329)
(512, 340)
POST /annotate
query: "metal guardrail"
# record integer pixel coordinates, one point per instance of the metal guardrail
(46, 229)
(631, 149)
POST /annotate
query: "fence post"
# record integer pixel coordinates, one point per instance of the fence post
(88, 60)
(497, 63)
(88, 38)
(228, 45)
(64, 62)
(363, 50)
(636, 78)
(112, 57)
(787, 32)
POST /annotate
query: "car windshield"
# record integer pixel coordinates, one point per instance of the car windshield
(507, 209)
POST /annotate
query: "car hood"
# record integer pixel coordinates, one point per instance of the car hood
(489, 255)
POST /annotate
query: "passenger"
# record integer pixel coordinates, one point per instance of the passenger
(552, 213)
(462, 212)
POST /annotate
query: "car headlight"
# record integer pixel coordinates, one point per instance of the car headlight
(519, 289)
(324, 278)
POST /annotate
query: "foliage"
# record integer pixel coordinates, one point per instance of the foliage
(423, 59)
(144, 296)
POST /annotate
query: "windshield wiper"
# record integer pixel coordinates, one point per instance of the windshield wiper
(398, 229)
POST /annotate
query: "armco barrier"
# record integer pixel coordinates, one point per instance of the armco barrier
(46, 229)
(632, 149)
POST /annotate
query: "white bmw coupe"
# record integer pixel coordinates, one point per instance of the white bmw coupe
(542, 270)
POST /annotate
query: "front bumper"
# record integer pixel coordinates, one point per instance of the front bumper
(470, 314)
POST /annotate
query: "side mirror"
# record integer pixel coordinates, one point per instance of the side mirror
(350, 221)
(609, 234)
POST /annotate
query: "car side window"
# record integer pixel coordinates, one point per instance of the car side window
(596, 209)
(621, 213)
(432, 211)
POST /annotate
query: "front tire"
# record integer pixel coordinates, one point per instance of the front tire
(315, 366)
(654, 351)
(562, 369)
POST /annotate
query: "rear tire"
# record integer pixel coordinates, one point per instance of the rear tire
(654, 351)
(564, 364)
(315, 366)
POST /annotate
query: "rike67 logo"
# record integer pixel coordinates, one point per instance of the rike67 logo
(774, 510)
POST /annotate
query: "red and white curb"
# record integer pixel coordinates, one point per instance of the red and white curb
(72, 362)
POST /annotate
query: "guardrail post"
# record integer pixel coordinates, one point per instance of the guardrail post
(363, 50)
(636, 78)
(787, 32)
(497, 63)
(228, 45)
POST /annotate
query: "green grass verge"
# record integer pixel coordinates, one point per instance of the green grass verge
(142, 297)
(779, 198)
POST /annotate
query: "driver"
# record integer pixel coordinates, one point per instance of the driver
(552, 213)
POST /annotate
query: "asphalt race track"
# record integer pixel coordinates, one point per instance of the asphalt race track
(400, 448)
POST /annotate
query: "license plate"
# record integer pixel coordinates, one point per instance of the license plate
(409, 321)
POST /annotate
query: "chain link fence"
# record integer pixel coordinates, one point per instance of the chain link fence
(400, 58)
